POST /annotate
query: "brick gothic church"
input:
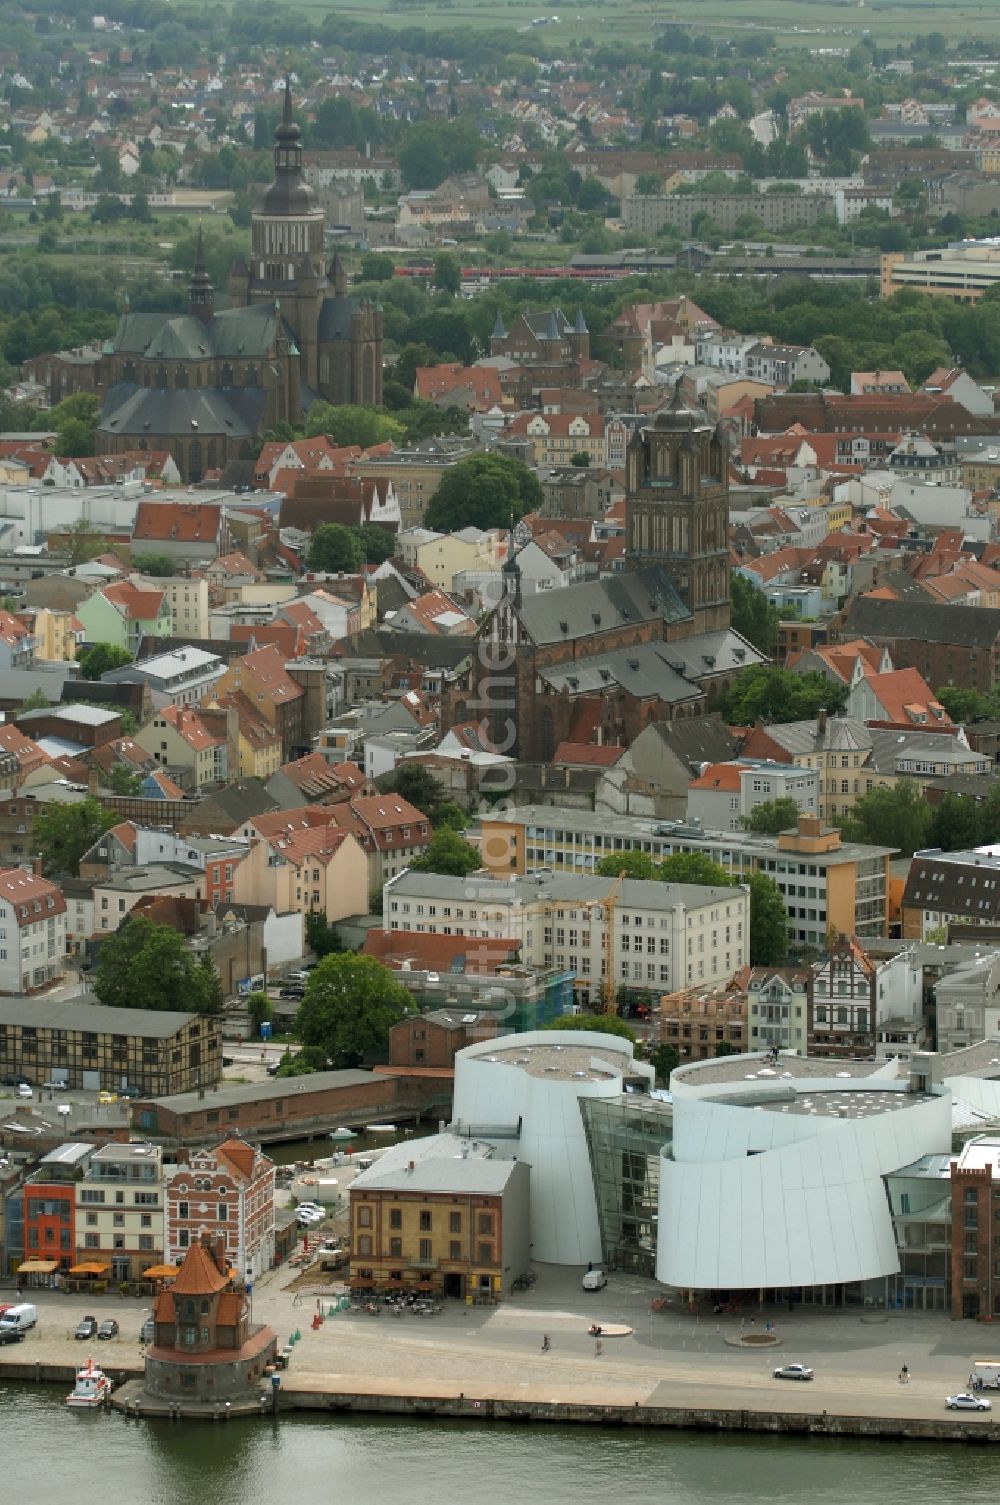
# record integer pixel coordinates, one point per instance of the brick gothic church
(598, 661)
(204, 384)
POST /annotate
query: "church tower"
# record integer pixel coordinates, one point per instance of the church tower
(287, 245)
(201, 294)
(677, 509)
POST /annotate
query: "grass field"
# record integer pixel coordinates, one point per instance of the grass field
(804, 23)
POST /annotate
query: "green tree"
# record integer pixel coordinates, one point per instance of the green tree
(101, 657)
(693, 867)
(768, 922)
(418, 785)
(753, 615)
(632, 864)
(351, 1003)
(966, 705)
(601, 1024)
(376, 267)
(260, 1010)
(377, 543)
(898, 817)
(581, 459)
(147, 966)
(62, 834)
(122, 780)
(74, 439)
(154, 564)
(766, 693)
(483, 491)
(448, 853)
(83, 542)
(209, 984)
(334, 548)
(36, 701)
(321, 936)
(725, 1048)
(447, 273)
(352, 425)
(772, 816)
(664, 1059)
(959, 822)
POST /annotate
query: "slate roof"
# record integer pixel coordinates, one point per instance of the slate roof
(140, 411)
(598, 605)
(802, 737)
(967, 626)
(247, 333)
(644, 670)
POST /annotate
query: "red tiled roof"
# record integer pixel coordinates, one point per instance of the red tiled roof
(439, 953)
(23, 890)
(719, 776)
(177, 522)
(134, 604)
(586, 755)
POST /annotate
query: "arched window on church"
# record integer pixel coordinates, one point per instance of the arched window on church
(128, 371)
(368, 375)
(181, 378)
(251, 378)
(161, 378)
(226, 374)
(194, 460)
(210, 459)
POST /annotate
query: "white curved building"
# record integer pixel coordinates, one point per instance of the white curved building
(774, 1177)
(528, 1088)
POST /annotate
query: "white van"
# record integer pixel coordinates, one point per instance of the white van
(20, 1317)
(594, 1280)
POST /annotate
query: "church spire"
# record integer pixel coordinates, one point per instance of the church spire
(201, 293)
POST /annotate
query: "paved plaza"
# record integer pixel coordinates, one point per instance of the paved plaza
(670, 1358)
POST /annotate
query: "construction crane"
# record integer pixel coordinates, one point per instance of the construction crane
(609, 905)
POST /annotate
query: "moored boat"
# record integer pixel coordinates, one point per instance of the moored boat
(92, 1386)
(341, 1135)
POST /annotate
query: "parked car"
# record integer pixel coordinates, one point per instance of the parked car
(108, 1328)
(595, 1280)
(967, 1402)
(310, 1212)
(297, 976)
(147, 1331)
(128, 1092)
(23, 1090)
(294, 990)
(54, 1085)
(10, 1334)
(86, 1328)
(106, 1098)
(793, 1372)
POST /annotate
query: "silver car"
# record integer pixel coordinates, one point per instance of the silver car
(793, 1372)
(967, 1402)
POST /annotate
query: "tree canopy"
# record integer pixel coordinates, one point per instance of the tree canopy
(898, 817)
(334, 549)
(772, 816)
(101, 657)
(350, 1004)
(147, 966)
(753, 615)
(62, 834)
(766, 693)
(601, 1024)
(448, 853)
(352, 425)
(483, 491)
(768, 922)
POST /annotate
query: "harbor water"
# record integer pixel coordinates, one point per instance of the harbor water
(60, 1457)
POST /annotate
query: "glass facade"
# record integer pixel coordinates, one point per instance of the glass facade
(625, 1136)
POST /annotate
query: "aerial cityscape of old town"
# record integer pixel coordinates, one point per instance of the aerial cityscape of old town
(499, 686)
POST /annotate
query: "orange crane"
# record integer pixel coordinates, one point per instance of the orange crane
(609, 905)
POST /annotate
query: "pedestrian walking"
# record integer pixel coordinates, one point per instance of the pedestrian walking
(598, 1347)
(546, 1345)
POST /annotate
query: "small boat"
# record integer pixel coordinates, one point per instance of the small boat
(382, 1128)
(92, 1386)
(341, 1134)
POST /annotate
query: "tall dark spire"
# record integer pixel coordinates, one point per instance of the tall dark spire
(289, 193)
(201, 293)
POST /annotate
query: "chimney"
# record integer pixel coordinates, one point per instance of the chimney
(821, 723)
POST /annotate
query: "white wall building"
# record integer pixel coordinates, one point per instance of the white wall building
(525, 1097)
(32, 930)
(774, 1177)
(664, 936)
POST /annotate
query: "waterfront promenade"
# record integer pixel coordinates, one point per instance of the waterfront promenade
(481, 1359)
